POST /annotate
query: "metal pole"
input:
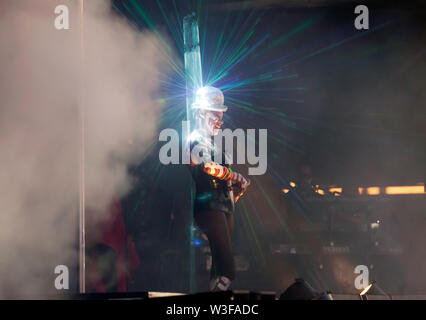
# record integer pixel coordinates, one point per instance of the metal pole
(194, 81)
(193, 72)
(82, 120)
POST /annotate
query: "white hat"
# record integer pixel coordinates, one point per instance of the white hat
(210, 98)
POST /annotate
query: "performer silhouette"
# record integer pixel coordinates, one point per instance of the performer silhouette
(218, 188)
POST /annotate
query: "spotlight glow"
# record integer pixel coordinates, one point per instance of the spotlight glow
(363, 292)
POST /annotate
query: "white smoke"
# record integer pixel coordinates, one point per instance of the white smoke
(40, 97)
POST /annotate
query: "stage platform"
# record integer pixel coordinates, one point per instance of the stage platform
(236, 295)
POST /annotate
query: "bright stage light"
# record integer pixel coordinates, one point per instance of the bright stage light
(392, 190)
(366, 289)
(320, 191)
(372, 191)
(369, 190)
(337, 190)
(363, 294)
(405, 190)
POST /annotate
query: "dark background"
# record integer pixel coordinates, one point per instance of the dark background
(354, 114)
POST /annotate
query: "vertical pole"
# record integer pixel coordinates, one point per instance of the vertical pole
(193, 71)
(82, 120)
(194, 81)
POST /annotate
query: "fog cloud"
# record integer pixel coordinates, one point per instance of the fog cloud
(45, 79)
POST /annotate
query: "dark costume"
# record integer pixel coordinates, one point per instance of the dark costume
(214, 215)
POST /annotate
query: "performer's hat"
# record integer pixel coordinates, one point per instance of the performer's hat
(210, 98)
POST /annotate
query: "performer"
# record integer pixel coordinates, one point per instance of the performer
(218, 188)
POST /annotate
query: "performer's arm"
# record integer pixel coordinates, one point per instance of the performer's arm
(221, 172)
(216, 170)
(224, 173)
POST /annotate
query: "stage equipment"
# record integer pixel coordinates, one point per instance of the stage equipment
(363, 295)
(302, 290)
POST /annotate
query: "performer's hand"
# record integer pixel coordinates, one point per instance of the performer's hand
(242, 185)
